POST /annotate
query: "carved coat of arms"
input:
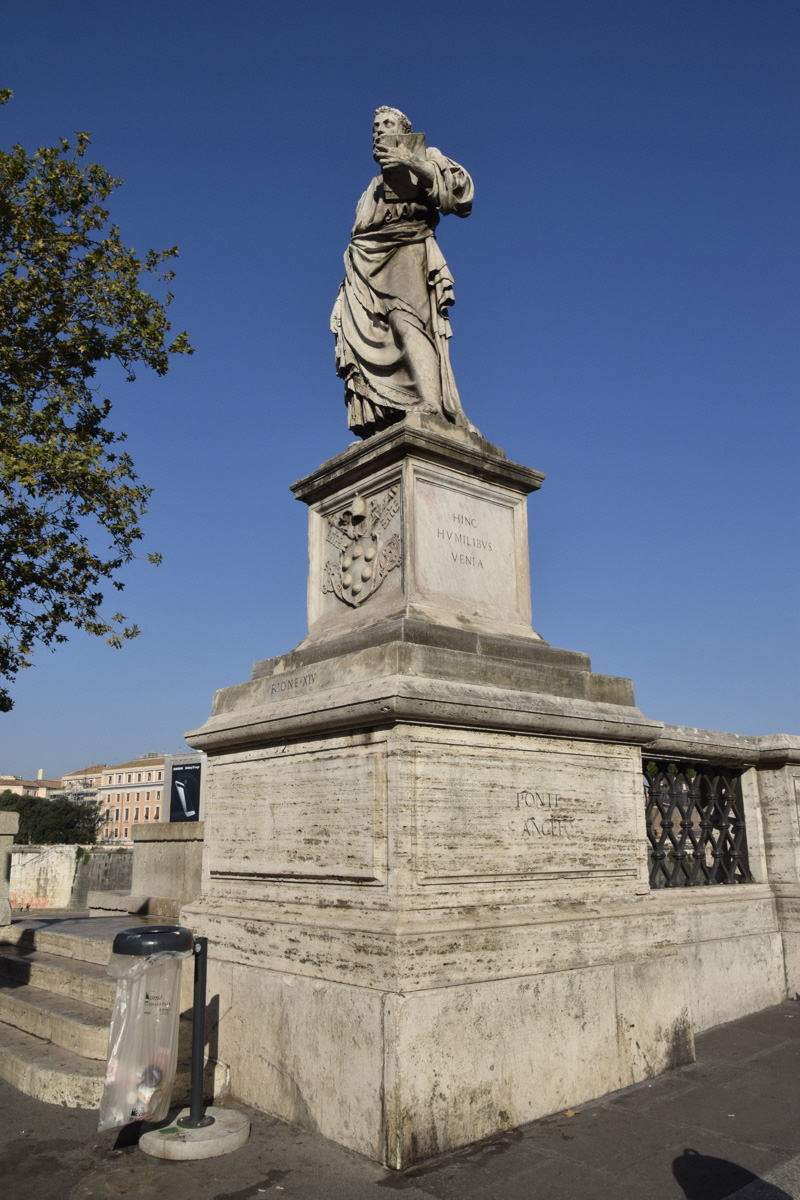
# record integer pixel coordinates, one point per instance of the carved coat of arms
(366, 553)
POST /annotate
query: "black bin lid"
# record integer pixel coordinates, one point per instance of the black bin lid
(153, 939)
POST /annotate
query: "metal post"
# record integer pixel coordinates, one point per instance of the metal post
(196, 1118)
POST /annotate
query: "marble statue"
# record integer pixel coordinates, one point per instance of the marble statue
(390, 318)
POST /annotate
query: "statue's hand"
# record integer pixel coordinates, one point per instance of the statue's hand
(400, 157)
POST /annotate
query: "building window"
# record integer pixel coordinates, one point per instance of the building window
(116, 814)
(127, 816)
(149, 776)
(125, 832)
(147, 814)
(119, 779)
(138, 776)
(116, 833)
(136, 814)
(156, 816)
(129, 779)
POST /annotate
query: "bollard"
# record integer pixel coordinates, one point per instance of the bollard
(197, 1119)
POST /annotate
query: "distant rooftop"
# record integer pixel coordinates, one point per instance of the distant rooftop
(147, 761)
(13, 783)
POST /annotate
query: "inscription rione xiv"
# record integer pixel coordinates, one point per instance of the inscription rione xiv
(367, 551)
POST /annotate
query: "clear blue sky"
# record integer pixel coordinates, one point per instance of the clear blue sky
(626, 321)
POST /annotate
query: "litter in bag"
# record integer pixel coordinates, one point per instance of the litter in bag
(143, 1038)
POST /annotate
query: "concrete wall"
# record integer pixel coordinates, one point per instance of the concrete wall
(41, 876)
(61, 876)
(101, 870)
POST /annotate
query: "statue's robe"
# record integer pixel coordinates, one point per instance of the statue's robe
(390, 317)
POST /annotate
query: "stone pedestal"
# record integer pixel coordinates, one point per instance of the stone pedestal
(423, 521)
(425, 861)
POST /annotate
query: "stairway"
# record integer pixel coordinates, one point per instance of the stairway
(55, 1009)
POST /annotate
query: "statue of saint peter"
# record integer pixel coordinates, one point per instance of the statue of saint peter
(390, 318)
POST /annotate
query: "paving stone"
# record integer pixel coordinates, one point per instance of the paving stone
(703, 1167)
(623, 1147)
(747, 1042)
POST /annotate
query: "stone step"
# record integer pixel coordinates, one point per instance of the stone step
(86, 938)
(49, 1072)
(71, 1024)
(106, 903)
(58, 1076)
(55, 1011)
(157, 909)
(70, 977)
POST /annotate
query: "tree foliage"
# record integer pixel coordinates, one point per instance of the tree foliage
(70, 299)
(53, 822)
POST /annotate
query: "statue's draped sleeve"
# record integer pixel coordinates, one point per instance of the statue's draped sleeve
(452, 189)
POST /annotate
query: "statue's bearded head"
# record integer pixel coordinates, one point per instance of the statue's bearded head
(388, 120)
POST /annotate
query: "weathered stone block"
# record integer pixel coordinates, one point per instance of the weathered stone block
(732, 976)
(309, 1050)
(9, 824)
(494, 1055)
(654, 1017)
(168, 860)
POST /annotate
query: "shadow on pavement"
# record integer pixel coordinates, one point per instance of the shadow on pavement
(703, 1177)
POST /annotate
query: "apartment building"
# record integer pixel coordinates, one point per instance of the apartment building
(137, 792)
(83, 780)
(83, 785)
(131, 793)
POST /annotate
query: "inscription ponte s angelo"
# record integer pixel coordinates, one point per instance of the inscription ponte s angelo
(547, 817)
(368, 551)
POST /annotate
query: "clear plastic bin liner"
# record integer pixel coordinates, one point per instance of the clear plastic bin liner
(143, 1039)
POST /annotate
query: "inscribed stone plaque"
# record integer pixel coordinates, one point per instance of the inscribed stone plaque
(465, 544)
(486, 813)
(313, 816)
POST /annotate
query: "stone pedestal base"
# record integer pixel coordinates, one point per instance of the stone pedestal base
(405, 867)
(425, 878)
(401, 1076)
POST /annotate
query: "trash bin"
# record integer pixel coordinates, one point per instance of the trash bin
(143, 1038)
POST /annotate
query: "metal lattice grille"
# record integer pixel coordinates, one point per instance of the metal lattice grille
(695, 825)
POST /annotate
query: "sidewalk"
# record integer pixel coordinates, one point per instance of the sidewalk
(727, 1125)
